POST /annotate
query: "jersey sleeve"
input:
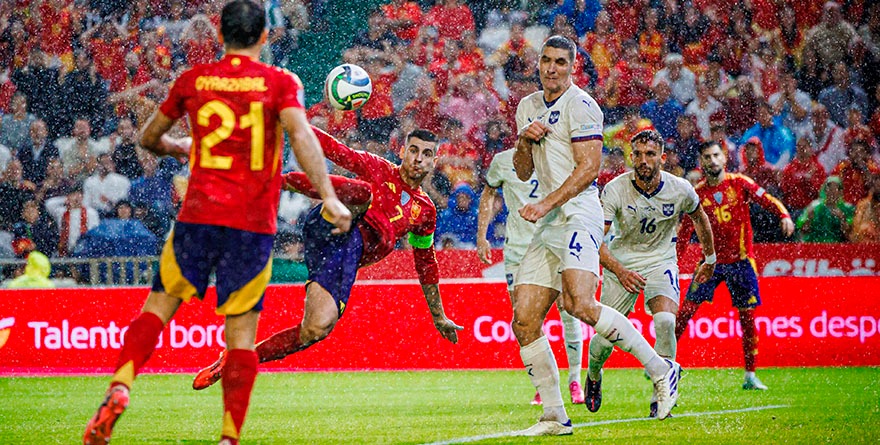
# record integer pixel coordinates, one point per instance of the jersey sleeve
(493, 175)
(521, 121)
(585, 119)
(360, 163)
(762, 197)
(421, 238)
(610, 201)
(291, 91)
(173, 104)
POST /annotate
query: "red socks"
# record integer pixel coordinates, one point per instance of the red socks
(350, 191)
(685, 313)
(279, 345)
(140, 342)
(238, 382)
(749, 338)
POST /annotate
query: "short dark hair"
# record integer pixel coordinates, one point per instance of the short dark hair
(645, 136)
(242, 23)
(421, 133)
(561, 42)
(705, 146)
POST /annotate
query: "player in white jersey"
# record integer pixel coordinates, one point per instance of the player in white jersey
(644, 206)
(518, 234)
(560, 139)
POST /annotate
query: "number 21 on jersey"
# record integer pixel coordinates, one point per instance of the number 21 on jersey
(253, 120)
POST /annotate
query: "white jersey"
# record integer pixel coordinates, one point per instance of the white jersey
(572, 117)
(646, 224)
(518, 233)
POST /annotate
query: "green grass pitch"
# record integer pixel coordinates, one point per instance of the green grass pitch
(816, 405)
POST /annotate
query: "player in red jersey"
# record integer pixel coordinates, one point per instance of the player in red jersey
(399, 207)
(725, 197)
(236, 108)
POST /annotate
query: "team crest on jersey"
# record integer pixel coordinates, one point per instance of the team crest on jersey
(718, 197)
(404, 198)
(414, 212)
(668, 209)
(731, 196)
(554, 117)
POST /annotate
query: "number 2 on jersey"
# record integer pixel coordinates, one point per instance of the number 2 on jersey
(253, 120)
(534, 192)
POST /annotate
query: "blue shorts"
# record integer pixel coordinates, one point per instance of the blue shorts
(332, 260)
(240, 260)
(741, 280)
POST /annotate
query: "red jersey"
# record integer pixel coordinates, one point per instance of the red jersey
(727, 205)
(397, 208)
(801, 181)
(235, 164)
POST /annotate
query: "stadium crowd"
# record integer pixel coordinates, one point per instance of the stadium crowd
(788, 88)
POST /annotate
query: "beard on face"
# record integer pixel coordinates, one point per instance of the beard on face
(652, 172)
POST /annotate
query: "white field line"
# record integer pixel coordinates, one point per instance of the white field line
(608, 422)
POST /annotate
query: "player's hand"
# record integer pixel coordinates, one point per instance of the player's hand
(484, 251)
(632, 281)
(447, 328)
(704, 272)
(534, 211)
(177, 148)
(534, 132)
(787, 226)
(337, 214)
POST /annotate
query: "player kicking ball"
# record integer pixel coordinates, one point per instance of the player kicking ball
(645, 205)
(388, 204)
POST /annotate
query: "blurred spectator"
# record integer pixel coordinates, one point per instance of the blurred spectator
(603, 45)
(680, 78)
(625, 15)
(377, 118)
(830, 39)
(72, 217)
(411, 75)
(755, 165)
(690, 37)
(801, 178)
(827, 219)
(107, 48)
(789, 35)
(15, 124)
(5, 157)
(85, 96)
(512, 49)
(14, 191)
(404, 18)
(583, 16)
(652, 41)
(830, 146)
(37, 226)
(791, 105)
(35, 157)
(39, 83)
(764, 68)
(123, 149)
(468, 102)
(856, 170)
(619, 135)
(716, 77)
(35, 276)
(450, 18)
(702, 108)
(371, 42)
(494, 142)
(811, 77)
(458, 154)
(687, 146)
(740, 105)
(459, 220)
(79, 152)
(778, 141)
(55, 184)
(199, 43)
(841, 95)
(152, 193)
(613, 165)
(629, 83)
(866, 221)
(663, 111)
(103, 189)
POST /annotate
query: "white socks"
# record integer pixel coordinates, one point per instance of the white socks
(664, 327)
(620, 332)
(541, 367)
(574, 345)
(600, 350)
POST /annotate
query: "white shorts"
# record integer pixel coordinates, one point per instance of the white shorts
(661, 281)
(574, 245)
(510, 269)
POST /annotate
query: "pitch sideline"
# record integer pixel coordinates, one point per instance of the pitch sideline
(607, 422)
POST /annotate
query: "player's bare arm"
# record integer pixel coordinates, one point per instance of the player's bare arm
(310, 156)
(704, 234)
(588, 157)
(630, 280)
(485, 215)
(447, 328)
(522, 157)
(154, 138)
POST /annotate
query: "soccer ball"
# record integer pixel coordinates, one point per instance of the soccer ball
(348, 87)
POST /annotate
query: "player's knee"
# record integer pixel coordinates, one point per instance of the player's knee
(525, 328)
(316, 330)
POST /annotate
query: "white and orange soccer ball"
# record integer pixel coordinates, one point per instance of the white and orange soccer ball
(348, 87)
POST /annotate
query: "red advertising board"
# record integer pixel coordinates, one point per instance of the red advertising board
(804, 322)
(773, 260)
